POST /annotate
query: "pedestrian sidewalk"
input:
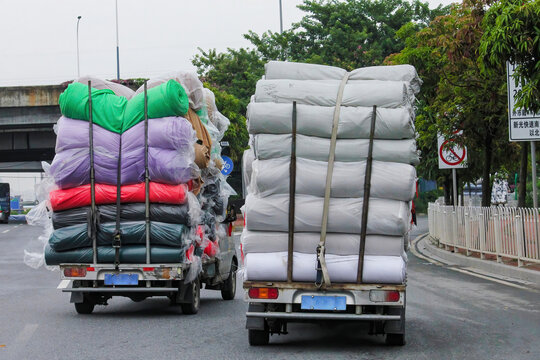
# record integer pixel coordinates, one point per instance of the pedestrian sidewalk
(529, 275)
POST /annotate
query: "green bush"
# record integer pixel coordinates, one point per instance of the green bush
(422, 201)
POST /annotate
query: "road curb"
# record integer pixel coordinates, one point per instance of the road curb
(492, 267)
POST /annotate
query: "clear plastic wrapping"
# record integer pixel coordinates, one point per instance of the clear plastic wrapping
(354, 122)
(347, 180)
(271, 213)
(390, 94)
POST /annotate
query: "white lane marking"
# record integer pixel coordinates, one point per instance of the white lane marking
(438, 263)
(5, 231)
(25, 335)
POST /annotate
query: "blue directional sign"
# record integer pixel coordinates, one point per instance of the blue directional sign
(227, 165)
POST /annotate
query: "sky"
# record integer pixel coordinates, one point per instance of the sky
(38, 40)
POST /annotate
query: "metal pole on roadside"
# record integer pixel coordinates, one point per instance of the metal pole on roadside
(454, 185)
(117, 46)
(78, 66)
(280, 18)
(534, 182)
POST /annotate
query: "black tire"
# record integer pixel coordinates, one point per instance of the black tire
(85, 308)
(193, 295)
(258, 337)
(395, 339)
(229, 286)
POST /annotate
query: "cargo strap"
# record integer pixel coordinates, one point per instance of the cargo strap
(117, 235)
(292, 193)
(146, 176)
(322, 270)
(92, 220)
(367, 191)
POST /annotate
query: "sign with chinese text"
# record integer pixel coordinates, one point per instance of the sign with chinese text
(523, 125)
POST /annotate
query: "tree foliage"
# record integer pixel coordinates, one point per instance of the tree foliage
(458, 95)
(512, 33)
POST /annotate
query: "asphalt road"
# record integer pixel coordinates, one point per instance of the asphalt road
(450, 315)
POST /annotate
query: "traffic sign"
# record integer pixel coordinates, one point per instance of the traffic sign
(522, 125)
(228, 165)
(451, 155)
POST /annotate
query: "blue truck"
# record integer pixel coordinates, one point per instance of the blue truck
(5, 203)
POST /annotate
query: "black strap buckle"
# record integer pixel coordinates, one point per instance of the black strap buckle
(117, 240)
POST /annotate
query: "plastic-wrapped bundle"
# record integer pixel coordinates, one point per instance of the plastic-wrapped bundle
(132, 254)
(390, 94)
(116, 113)
(188, 80)
(100, 84)
(389, 180)
(385, 217)
(268, 146)
(133, 233)
(354, 122)
(305, 242)
(106, 194)
(174, 214)
(341, 269)
(170, 153)
(300, 71)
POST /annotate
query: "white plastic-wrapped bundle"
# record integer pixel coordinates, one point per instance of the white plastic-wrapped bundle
(305, 242)
(385, 217)
(101, 84)
(390, 94)
(354, 122)
(299, 71)
(341, 269)
(347, 181)
(268, 146)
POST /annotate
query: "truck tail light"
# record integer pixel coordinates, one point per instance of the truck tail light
(263, 293)
(384, 295)
(75, 271)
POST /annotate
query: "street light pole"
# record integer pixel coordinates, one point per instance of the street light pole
(78, 67)
(280, 18)
(117, 46)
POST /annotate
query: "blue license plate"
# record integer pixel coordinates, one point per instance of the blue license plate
(315, 302)
(121, 279)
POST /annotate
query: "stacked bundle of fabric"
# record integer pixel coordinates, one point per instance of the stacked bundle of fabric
(315, 90)
(180, 163)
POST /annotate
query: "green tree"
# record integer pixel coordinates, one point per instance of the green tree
(458, 95)
(236, 134)
(512, 33)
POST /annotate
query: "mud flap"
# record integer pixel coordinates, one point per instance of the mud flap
(76, 297)
(253, 323)
(395, 327)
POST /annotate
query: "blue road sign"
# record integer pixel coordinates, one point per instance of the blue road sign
(227, 165)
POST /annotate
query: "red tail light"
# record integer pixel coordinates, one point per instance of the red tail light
(263, 293)
(384, 295)
(74, 272)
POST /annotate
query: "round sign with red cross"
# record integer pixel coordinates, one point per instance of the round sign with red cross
(451, 155)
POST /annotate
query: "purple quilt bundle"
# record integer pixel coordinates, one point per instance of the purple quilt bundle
(170, 153)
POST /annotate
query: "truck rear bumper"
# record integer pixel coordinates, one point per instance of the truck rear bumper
(322, 316)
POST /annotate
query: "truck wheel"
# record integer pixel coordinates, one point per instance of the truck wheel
(229, 286)
(86, 307)
(258, 337)
(193, 296)
(395, 339)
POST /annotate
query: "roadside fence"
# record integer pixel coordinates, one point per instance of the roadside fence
(505, 232)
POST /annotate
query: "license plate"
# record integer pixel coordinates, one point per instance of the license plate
(317, 302)
(121, 279)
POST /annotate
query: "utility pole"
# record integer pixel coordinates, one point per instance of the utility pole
(280, 18)
(117, 46)
(78, 66)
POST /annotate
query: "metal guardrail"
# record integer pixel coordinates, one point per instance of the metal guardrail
(507, 232)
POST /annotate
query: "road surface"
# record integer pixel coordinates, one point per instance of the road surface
(450, 315)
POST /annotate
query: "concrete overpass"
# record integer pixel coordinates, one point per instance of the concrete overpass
(27, 117)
